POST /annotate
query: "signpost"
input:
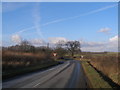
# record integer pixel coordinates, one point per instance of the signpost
(55, 55)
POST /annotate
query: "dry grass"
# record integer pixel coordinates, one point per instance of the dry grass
(108, 64)
(96, 81)
(15, 61)
(19, 58)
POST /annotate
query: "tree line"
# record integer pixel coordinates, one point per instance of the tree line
(61, 48)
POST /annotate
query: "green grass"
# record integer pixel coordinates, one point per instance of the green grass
(94, 77)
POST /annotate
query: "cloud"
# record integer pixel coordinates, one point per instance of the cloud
(114, 39)
(105, 30)
(91, 44)
(55, 40)
(113, 42)
(37, 41)
(98, 47)
(110, 45)
(36, 21)
(16, 38)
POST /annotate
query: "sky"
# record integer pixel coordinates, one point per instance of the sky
(94, 24)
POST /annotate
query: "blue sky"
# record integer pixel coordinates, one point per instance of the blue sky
(88, 22)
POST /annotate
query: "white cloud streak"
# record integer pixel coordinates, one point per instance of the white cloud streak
(24, 30)
(74, 17)
(37, 18)
(101, 9)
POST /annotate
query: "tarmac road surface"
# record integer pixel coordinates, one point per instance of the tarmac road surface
(66, 75)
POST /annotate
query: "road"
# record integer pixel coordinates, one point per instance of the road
(66, 75)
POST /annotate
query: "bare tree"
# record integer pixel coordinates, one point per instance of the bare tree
(73, 47)
(60, 52)
(60, 44)
(24, 43)
(26, 46)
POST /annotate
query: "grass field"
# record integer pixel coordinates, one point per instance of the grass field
(94, 77)
(106, 63)
(17, 63)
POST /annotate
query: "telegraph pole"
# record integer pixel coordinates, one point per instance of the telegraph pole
(47, 45)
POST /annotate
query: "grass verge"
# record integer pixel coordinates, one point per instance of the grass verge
(94, 77)
(13, 73)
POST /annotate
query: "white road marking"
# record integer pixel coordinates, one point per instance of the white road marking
(52, 69)
(36, 84)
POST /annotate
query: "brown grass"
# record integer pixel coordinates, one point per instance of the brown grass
(18, 60)
(108, 64)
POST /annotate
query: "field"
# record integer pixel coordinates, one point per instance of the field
(94, 78)
(107, 64)
(101, 68)
(15, 63)
(25, 57)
